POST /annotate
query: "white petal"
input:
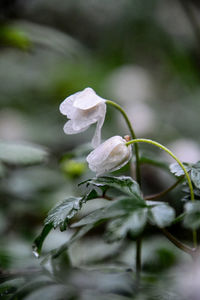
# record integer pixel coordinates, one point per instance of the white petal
(96, 140)
(87, 99)
(120, 156)
(109, 156)
(67, 108)
(69, 129)
(101, 153)
(83, 118)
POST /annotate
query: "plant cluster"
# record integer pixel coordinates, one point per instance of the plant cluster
(124, 216)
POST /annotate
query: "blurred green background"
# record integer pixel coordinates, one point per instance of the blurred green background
(145, 55)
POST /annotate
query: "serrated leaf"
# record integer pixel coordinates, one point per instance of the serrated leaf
(161, 214)
(59, 217)
(21, 153)
(176, 169)
(132, 223)
(192, 218)
(195, 176)
(123, 183)
(62, 213)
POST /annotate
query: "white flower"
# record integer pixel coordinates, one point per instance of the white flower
(83, 109)
(109, 156)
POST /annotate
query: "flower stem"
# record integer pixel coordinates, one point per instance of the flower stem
(138, 178)
(117, 106)
(180, 164)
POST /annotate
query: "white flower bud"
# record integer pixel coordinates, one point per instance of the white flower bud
(109, 156)
(83, 109)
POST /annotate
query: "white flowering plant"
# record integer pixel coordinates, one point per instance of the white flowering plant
(125, 213)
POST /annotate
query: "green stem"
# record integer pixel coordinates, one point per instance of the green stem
(138, 178)
(158, 195)
(180, 164)
(117, 106)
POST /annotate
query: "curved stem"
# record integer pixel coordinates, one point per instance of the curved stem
(171, 154)
(138, 178)
(178, 243)
(180, 164)
(158, 195)
(117, 106)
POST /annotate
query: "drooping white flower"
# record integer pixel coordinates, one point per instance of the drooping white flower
(109, 156)
(83, 109)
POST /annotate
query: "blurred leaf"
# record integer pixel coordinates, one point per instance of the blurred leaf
(12, 36)
(73, 168)
(132, 223)
(49, 37)
(21, 153)
(32, 285)
(62, 213)
(160, 213)
(192, 218)
(176, 169)
(124, 183)
(9, 287)
(144, 159)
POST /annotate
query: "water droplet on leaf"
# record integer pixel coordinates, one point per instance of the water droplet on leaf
(35, 252)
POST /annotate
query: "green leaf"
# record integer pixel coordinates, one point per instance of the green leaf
(59, 217)
(21, 153)
(132, 223)
(62, 213)
(160, 214)
(123, 183)
(176, 169)
(193, 168)
(192, 218)
(119, 207)
(195, 175)
(98, 215)
(12, 36)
